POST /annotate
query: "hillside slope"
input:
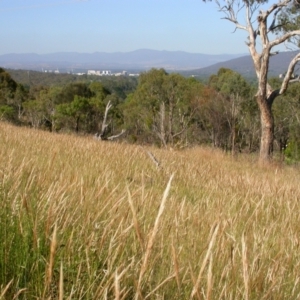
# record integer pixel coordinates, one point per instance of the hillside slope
(244, 65)
(92, 220)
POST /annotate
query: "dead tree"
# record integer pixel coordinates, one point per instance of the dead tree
(103, 134)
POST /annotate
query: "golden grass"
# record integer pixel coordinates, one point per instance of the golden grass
(84, 219)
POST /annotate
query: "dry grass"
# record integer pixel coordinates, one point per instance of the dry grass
(83, 219)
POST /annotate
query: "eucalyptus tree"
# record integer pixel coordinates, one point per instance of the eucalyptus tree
(161, 110)
(97, 102)
(20, 97)
(105, 115)
(7, 91)
(235, 94)
(287, 123)
(75, 112)
(267, 26)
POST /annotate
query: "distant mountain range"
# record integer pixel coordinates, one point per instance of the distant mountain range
(139, 60)
(244, 65)
(196, 64)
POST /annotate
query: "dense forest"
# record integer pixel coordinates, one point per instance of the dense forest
(165, 109)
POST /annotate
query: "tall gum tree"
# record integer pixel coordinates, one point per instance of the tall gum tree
(267, 26)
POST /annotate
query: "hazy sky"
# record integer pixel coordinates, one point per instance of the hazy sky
(47, 26)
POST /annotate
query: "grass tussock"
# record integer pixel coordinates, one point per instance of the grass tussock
(83, 219)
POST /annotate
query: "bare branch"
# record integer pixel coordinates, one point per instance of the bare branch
(102, 134)
(252, 33)
(249, 14)
(287, 78)
(113, 137)
(284, 38)
(231, 13)
(104, 124)
(184, 124)
(236, 23)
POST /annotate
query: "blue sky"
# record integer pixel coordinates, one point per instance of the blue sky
(47, 26)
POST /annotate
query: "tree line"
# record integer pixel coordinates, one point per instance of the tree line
(164, 109)
(267, 26)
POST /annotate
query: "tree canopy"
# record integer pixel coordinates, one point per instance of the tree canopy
(268, 26)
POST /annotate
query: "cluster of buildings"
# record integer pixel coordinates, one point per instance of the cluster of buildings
(96, 73)
(51, 71)
(109, 73)
(106, 73)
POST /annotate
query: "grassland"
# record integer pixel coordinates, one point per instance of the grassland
(84, 219)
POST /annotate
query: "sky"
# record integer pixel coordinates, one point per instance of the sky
(88, 26)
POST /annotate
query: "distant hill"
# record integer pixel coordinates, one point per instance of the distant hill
(142, 59)
(244, 65)
(188, 64)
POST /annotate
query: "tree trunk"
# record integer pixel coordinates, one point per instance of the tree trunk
(233, 138)
(162, 132)
(267, 131)
(77, 125)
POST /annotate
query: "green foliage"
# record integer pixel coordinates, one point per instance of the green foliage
(230, 83)
(98, 99)
(292, 151)
(287, 119)
(10, 91)
(34, 110)
(164, 109)
(289, 20)
(7, 86)
(234, 112)
(24, 246)
(76, 106)
(98, 90)
(69, 91)
(86, 113)
(6, 112)
(161, 109)
(119, 85)
(21, 95)
(77, 111)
